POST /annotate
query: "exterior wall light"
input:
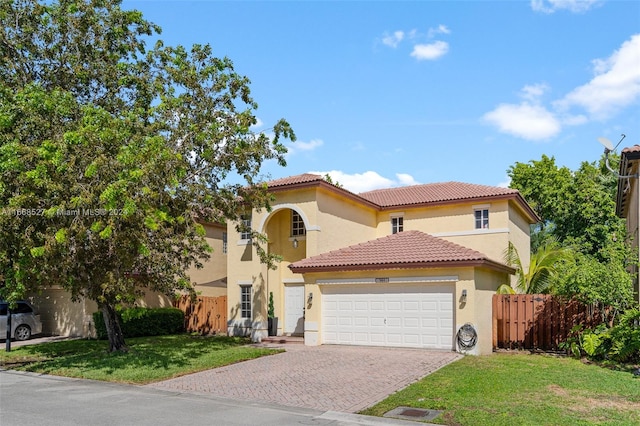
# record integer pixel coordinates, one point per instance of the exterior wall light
(463, 299)
(295, 243)
(310, 299)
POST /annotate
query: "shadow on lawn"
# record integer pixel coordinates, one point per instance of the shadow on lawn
(158, 352)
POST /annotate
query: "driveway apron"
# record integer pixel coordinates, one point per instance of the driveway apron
(336, 378)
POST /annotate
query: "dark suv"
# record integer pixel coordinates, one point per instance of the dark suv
(25, 321)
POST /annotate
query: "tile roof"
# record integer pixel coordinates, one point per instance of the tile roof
(292, 180)
(433, 193)
(416, 195)
(635, 148)
(410, 249)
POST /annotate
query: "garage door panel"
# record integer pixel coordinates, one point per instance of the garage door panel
(377, 321)
(412, 339)
(377, 305)
(394, 305)
(418, 316)
(411, 322)
(330, 305)
(430, 322)
(344, 305)
(345, 321)
(330, 320)
(376, 338)
(361, 305)
(361, 321)
(411, 305)
(394, 322)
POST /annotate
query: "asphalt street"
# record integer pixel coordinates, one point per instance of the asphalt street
(39, 400)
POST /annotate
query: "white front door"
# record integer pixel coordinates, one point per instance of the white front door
(294, 309)
(418, 316)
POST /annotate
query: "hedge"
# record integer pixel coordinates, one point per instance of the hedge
(137, 322)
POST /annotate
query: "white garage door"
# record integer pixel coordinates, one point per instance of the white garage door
(419, 316)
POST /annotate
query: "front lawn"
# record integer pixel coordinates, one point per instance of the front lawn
(505, 389)
(149, 359)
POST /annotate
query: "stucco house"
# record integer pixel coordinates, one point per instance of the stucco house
(62, 317)
(628, 202)
(404, 266)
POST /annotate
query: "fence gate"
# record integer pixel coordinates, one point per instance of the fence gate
(536, 321)
(208, 315)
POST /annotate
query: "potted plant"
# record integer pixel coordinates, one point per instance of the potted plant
(273, 321)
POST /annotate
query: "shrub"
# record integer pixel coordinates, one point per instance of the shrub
(137, 322)
(623, 340)
(620, 343)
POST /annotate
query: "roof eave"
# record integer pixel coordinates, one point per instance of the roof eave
(526, 208)
(326, 185)
(486, 263)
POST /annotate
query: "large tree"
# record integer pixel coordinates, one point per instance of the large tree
(578, 211)
(577, 207)
(112, 153)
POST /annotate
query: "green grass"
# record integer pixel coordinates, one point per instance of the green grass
(149, 359)
(505, 389)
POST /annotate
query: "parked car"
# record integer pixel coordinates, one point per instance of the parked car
(25, 321)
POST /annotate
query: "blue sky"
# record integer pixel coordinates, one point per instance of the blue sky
(384, 94)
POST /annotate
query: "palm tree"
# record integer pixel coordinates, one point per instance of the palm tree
(542, 269)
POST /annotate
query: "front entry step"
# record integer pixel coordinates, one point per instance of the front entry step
(283, 339)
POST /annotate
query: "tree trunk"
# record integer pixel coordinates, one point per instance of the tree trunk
(114, 331)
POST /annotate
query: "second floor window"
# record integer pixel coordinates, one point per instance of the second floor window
(397, 224)
(482, 219)
(224, 243)
(246, 222)
(297, 225)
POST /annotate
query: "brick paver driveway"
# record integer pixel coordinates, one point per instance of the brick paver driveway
(333, 378)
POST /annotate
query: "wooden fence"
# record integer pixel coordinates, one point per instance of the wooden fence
(208, 315)
(537, 321)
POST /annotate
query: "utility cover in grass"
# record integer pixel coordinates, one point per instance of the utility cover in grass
(410, 413)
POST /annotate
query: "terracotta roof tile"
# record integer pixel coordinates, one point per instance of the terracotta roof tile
(433, 193)
(402, 250)
(631, 150)
(292, 180)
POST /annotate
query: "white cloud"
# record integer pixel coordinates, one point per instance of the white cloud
(534, 92)
(574, 120)
(299, 146)
(392, 40)
(616, 83)
(367, 181)
(406, 179)
(575, 6)
(441, 29)
(430, 51)
(526, 121)
(505, 183)
(308, 146)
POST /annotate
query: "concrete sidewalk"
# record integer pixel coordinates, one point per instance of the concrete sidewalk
(41, 400)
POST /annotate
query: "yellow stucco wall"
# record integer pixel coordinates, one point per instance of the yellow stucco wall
(62, 317)
(479, 283)
(333, 222)
(456, 223)
(211, 279)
